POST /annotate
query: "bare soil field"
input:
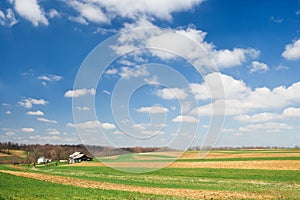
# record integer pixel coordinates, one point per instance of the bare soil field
(264, 164)
(189, 193)
(218, 154)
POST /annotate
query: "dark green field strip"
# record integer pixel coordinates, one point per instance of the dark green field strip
(238, 174)
(14, 187)
(155, 155)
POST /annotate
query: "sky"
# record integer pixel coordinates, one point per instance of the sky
(150, 73)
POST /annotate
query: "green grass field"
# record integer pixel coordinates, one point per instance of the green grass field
(280, 184)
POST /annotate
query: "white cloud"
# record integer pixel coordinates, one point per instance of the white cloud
(232, 88)
(153, 109)
(258, 66)
(185, 42)
(38, 112)
(80, 92)
(8, 19)
(298, 12)
(79, 20)
(171, 93)
(111, 71)
(92, 125)
(127, 72)
(290, 112)
(241, 99)
(85, 125)
(292, 51)
(46, 120)
(261, 117)
(106, 92)
(108, 126)
(82, 108)
(270, 127)
(29, 102)
(50, 77)
(52, 131)
(28, 130)
(104, 11)
(152, 81)
(89, 11)
(8, 112)
(31, 11)
(53, 14)
(226, 58)
(185, 118)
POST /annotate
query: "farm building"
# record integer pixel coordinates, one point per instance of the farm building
(42, 160)
(77, 157)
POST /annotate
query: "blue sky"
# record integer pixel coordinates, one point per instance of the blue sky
(252, 47)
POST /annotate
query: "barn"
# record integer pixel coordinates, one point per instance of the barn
(77, 157)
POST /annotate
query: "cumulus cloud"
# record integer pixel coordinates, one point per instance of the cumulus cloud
(241, 99)
(270, 127)
(127, 72)
(258, 66)
(225, 58)
(8, 19)
(185, 42)
(29, 102)
(80, 92)
(290, 112)
(38, 112)
(185, 118)
(102, 12)
(232, 88)
(171, 93)
(46, 120)
(153, 109)
(28, 130)
(30, 10)
(92, 125)
(292, 51)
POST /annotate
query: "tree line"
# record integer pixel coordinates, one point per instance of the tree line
(62, 152)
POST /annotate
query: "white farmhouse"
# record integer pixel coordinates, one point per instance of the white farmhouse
(42, 160)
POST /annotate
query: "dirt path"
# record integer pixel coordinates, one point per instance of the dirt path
(197, 194)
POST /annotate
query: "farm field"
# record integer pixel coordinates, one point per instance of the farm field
(234, 174)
